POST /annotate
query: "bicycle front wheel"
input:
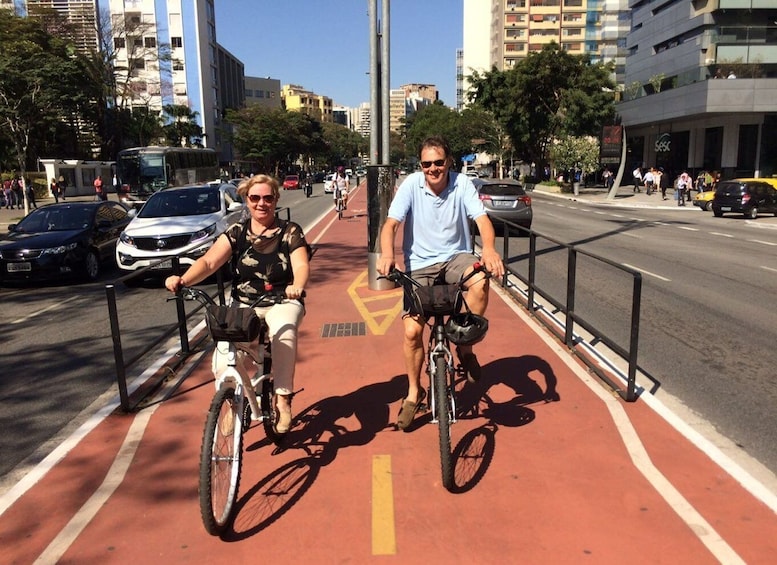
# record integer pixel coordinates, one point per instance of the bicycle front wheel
(221, 460)
(442, 403)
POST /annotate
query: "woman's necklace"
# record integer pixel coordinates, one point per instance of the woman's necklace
(266, 229)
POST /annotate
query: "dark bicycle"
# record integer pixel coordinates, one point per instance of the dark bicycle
(442, 304)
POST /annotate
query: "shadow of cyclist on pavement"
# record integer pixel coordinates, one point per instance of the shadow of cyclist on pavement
(319, 432)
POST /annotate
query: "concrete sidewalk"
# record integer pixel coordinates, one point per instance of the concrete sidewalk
(550, 466)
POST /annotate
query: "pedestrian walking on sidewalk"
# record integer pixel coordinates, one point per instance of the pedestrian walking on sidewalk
(54, 188)
(637, 174)
(650, 181)
(62, 186)
(99, 189)
(30, 191)
(435, 251)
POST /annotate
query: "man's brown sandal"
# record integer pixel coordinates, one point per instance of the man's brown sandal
(409, 409)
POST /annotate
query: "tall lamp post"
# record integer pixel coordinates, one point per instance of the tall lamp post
(380, 178)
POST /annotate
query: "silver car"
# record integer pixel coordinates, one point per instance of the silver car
(505, 199)
(181, 222)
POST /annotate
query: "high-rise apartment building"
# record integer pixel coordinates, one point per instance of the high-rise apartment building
(142, 30)
(700, 86)
(500, 33)
(81, 14)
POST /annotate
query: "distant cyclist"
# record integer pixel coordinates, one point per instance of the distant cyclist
(341, 183)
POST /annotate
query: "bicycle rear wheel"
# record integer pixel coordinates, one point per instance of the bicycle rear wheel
(442, 403)
(221, 460)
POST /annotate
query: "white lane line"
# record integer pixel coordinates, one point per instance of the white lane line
(44, 310)
(721, 234)
(659, 277)
(769, 268)
(60, 544)
(762, 242)
(629, 234)
(636, 449)
(687, 228)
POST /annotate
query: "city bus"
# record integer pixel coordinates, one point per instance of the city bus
(142, 171)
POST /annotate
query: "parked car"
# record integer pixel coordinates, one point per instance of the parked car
(329, 184)
(177, 221)
(291, 182)
(58, 240)
(704, 199)
(745, 196)
(505, 199)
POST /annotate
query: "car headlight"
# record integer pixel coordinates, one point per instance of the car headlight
(59, 249)
(127, 239)
(203, 233)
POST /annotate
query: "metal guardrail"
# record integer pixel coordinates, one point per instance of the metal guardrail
(566, 306)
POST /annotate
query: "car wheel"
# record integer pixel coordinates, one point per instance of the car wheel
(708, 207)
(91, 266)
(717, 213)
(752, 213)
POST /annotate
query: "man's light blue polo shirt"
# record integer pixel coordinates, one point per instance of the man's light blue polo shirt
(436, 227)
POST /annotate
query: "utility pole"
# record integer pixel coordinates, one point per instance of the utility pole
(380, 177)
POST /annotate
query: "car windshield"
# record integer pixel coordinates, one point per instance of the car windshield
(504, 189)
(56, 218)
(292, 177)
(187, 202)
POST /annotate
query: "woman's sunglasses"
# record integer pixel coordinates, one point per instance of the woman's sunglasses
(268, 198)
(437, 163)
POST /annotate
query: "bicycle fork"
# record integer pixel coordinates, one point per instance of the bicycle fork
(441, 349)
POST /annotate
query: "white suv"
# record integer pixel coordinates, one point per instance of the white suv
(177, 221)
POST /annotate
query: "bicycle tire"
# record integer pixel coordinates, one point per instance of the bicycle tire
(442, 403)
(221, 458)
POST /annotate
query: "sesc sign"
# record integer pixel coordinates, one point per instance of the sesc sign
(663, 142)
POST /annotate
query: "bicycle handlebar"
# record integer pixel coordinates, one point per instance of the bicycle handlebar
(270, 297)
(397, 276)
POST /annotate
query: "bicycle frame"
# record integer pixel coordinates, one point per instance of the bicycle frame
(232, 376)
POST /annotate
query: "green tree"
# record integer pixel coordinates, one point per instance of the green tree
(548, 95)
(437, 119)
(181, 127)
(39, 74)
(576, 153)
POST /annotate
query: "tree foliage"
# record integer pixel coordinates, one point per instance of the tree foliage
(548, 95)
(41, 99)
(576, 153)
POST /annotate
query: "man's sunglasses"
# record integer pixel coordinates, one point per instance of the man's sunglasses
(254, 198)
(437, 163)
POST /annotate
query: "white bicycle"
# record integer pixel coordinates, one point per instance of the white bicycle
(244, 393)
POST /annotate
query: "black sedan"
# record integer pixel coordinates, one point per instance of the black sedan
(505, 199)
(68, 239)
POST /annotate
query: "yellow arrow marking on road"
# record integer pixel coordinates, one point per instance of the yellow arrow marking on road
(380, 320)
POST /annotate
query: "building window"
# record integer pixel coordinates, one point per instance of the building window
(137, 42)
(249, 93)
(177, 66)
(149, 42)
(138, 64)
(176, 42)
(119, 42)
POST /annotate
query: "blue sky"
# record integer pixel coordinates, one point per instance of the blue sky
(324, 45)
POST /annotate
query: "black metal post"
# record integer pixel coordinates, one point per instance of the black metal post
(118, 353)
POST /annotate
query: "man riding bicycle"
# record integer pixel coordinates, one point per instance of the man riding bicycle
(436, 206)
(341, 183)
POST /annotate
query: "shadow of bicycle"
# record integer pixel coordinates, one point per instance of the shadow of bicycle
(320, 431)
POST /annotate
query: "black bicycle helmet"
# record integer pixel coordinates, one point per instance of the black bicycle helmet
(466, 328)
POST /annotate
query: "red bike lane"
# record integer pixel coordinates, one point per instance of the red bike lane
(550, 466)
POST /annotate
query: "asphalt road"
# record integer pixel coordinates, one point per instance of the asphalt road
(707, 329)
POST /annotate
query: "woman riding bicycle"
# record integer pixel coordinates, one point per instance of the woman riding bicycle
(269, 251)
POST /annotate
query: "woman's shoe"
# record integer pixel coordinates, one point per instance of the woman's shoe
(283, 425)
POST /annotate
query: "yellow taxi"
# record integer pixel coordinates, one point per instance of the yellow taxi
(704, 199)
